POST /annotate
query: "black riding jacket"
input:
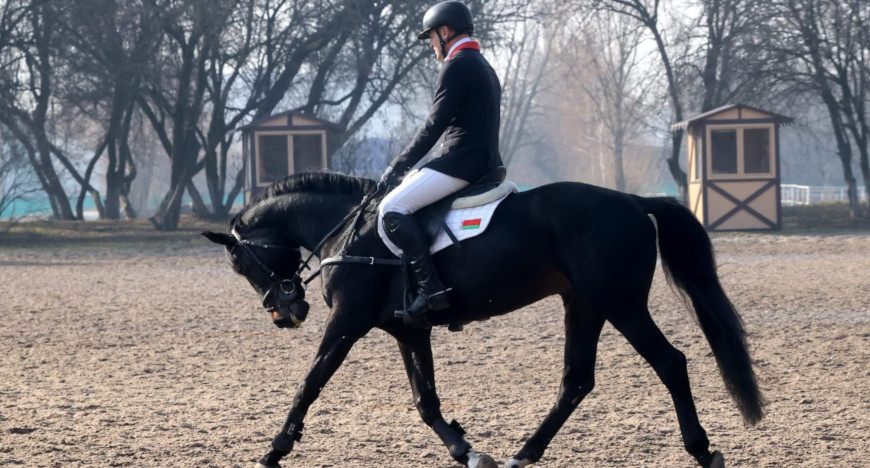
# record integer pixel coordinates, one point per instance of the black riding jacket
(466, 110)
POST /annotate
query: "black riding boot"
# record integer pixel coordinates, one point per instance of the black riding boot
(404, 231)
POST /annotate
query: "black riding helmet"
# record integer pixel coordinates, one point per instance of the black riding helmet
(453, 14)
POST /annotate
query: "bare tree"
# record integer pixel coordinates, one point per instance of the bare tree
(29, 90)
(824, 46)
(728, 63)
(855, 86)
(339, 60)
(527, 49)
(174, 100)
(646, 12)
(731, 57)
(16, 183)
(112, 47)
(616, 86)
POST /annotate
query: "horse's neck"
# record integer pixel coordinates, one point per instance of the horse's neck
(309, 218)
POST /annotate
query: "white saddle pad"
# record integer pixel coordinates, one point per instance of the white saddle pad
(467, 218)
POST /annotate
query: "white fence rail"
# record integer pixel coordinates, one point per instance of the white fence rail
(812, 194)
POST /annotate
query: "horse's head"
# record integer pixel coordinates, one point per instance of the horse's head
(271, 268)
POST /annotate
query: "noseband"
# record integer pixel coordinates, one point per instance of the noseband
(289, 291)
(286, 290)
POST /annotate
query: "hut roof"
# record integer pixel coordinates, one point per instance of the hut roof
(327, 123)
(779, 119)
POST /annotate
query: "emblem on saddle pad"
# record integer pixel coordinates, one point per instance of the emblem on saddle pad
(470, 224)
(468, 217)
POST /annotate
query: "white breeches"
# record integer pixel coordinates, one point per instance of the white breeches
(419, 189)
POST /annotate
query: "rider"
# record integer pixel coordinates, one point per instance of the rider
(466, 109)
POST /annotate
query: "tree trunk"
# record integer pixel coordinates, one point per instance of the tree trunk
(674, 166)
(169, 211)
(618, 169)
(200, 209)
(844, 151)
(53, 187)
(865, 172)
(650, 21)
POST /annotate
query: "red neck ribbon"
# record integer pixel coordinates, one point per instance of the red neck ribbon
(465, 45)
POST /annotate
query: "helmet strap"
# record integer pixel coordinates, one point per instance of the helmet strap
(444, 42)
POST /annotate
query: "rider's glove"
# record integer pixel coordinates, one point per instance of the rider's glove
(389, 179)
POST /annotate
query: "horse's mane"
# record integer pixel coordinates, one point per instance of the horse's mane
(310, 182)
(318, 182)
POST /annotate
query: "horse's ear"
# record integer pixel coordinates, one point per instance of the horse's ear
(220, 238)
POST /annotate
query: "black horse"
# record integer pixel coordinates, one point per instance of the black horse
(594, 247)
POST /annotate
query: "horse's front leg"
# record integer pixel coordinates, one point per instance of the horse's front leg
(415, 347)
(336, 343)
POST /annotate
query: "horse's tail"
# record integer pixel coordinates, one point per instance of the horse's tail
(688, 261)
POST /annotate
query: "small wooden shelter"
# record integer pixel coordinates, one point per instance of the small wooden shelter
(733, 168)
(283, 144)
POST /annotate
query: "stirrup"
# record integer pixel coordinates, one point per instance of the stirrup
(437, 301)
(420, 319)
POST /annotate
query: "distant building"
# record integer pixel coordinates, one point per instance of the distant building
(283, 144)
(734, 176)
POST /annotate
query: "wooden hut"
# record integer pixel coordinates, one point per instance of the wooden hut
(733, 167)
(283, 144)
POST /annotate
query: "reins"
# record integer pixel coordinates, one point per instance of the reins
(354, 212)
(346, 259)
(334, 260)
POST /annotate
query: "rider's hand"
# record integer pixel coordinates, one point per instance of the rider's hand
(389, 179)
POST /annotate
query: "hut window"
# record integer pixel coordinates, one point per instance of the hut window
(724, 145)
(307, 152)
(699, 148)
(756, 150)
(273, 152)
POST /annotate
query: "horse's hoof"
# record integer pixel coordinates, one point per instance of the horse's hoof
(718, 461)
(514, 463)
(262, 464)
(485, 461)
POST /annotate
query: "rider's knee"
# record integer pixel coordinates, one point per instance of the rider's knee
(392, 219)
(392, 203)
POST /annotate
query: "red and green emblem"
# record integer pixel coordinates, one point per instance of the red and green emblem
(471, 224)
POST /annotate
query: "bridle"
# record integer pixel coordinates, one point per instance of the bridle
(290, 290)
(287, 290)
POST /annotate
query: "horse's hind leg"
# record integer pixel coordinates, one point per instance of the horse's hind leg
(582, 329)
(670, 365)
(415, 347)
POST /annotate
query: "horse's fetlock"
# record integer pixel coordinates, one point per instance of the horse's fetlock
(282, 443)
(459, 450)
(271, 459)
(698, 446)
(515, 463)
(532, 455)
(290, 434)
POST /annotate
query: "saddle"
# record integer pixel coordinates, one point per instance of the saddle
(431, 218)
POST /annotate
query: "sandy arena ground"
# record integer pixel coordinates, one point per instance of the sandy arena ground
(159, 356)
